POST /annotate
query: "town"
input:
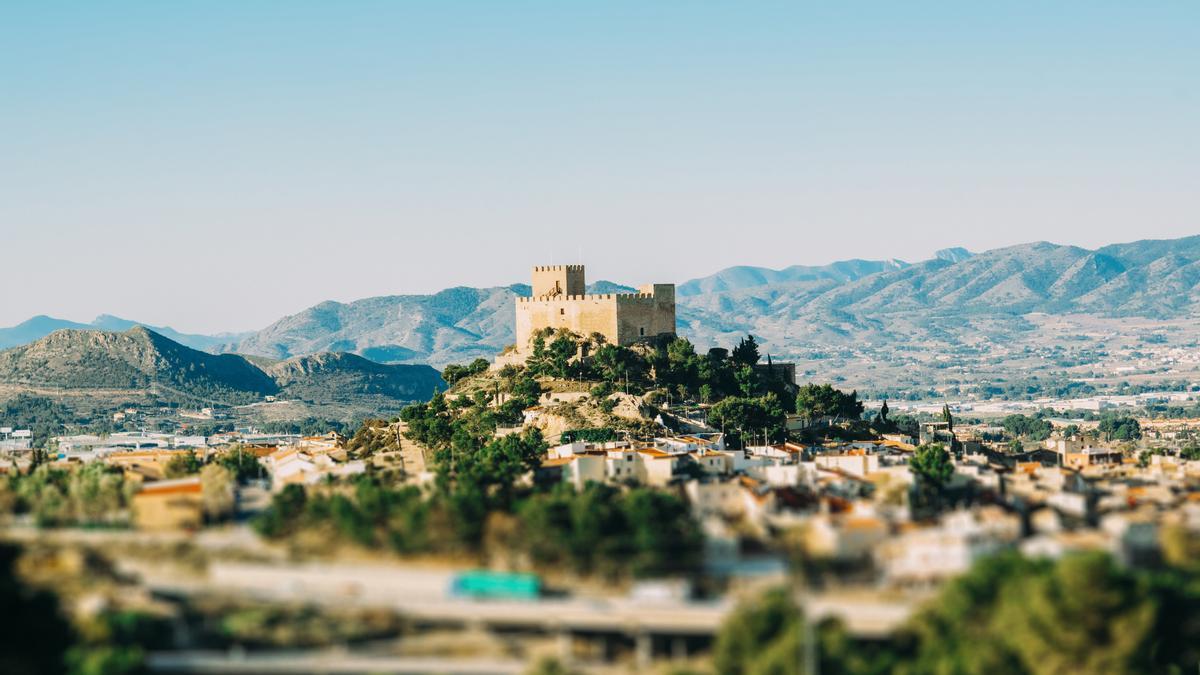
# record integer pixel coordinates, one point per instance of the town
(600, 497)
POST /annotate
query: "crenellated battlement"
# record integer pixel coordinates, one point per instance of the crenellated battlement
(558, 268)
(589, 296)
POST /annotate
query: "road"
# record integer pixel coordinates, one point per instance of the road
(423, 593)
(330, 662)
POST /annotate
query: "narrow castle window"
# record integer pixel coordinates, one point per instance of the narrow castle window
(642, 332)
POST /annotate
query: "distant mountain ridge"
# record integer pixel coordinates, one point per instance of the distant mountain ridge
(736, 278)
(140, 359)
(451, 325)
(789, 309)
(792, 308)
(42, 325)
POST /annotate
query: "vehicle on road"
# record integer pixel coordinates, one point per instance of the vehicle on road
(488, 585)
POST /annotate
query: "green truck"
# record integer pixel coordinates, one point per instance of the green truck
(486, 585)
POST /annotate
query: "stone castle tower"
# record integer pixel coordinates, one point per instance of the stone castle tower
(560, 300)
(558, 280)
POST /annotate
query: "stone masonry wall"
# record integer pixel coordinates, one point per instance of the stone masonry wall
(582, 314)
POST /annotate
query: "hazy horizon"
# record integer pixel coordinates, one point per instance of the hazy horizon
(214, 168)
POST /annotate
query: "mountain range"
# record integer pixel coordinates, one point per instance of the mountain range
(790, 309)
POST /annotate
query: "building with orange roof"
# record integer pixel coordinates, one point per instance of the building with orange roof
(169, 505)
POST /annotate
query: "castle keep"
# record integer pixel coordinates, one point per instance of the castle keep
(560, 300)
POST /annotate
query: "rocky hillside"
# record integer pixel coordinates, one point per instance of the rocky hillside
(142, 360)
(345, 377)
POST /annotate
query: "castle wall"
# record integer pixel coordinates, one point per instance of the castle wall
(582, 314)
(646, 314)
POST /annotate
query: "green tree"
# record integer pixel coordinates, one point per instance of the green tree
(283, 516)
(742, 418)
(747, 381)
(454, 373)
(1117, 428)
(817, 401)
(1083, 616)
(96, 493)
(1032, 428)
(44, 493)
(429, 424)
(932, 469)
(746, 351)
(955, 632)
(767, 636)
(184, 464)
(242, 463)
(665, 540)
(618, 365)
(747, 636)
(559, 354)
(681, 366)
(1080, 614)
(497, 466)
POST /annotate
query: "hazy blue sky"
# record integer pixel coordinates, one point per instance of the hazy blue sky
(213, 166)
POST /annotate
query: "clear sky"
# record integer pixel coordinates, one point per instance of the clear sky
(216, 165)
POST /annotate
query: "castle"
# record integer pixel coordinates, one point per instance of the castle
(560, 300)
